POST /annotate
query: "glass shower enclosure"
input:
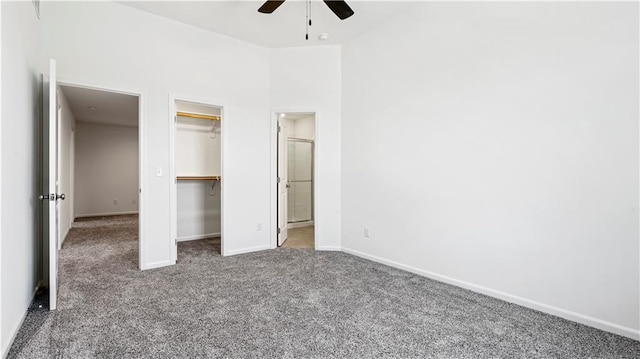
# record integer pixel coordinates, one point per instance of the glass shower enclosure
(300, 172)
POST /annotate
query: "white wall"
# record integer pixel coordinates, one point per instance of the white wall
(131, 50)
(304, 128)
(304, 79)
(106, 169)
(66, 128)
(495, 146)
(19, 165)
(197, 147)
(198, 209)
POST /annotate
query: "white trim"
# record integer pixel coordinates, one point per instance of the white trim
(273, 209)
(247, 250)
(64, 238)
(328, 248)
(14, 333)
(273, 183)
(173, 191)
(105, 214)
(532, 304)
(299, 224)
(197, 237)
(38, 206)
(155, 265)
(51, 116)
(141, 177)
(173, 187)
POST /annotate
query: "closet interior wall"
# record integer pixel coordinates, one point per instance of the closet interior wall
(198, 171)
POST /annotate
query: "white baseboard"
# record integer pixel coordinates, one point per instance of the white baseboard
(155, 265)
(300, 224)
(328, 248)
(245, 250)
(559, 312)
(105, 214)
(14, 332)
(196, 237)
(64, 237)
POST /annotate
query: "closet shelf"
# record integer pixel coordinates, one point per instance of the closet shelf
(198, 116)
(198, 178)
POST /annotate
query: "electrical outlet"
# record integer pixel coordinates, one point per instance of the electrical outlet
(133, 201)
(366, 232)
(115, 201)
(259, 227)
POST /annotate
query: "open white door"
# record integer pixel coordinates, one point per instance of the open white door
(283, 183)
(49, 195)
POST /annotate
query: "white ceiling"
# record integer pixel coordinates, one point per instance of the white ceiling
(294, 116)
(111, 108)
(285, 27)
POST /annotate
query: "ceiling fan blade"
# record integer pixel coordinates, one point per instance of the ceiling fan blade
(340, 8)
(270, 6)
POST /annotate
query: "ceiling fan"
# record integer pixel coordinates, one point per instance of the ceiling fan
(340, 8)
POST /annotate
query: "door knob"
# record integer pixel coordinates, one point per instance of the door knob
(60, 196)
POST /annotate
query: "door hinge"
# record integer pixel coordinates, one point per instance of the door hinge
(278, 230)
(278, 179)
(279, 129)
(175, 241)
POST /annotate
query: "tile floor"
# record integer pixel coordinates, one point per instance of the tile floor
(300, 238)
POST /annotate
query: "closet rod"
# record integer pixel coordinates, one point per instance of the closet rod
(199, 116)
(198, 178)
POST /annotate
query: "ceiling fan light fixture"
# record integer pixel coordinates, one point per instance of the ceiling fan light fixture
(324, 36)
(338, 7)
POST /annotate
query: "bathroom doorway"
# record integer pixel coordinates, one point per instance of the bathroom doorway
(296, 136)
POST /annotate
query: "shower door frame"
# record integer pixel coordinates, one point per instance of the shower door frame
(313, 182)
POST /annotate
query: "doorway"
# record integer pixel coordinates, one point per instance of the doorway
(197, 179)
(296, 179)
(99, 168)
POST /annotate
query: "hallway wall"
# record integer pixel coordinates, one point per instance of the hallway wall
(106, 170)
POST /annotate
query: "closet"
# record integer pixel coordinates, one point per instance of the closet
(197, 168)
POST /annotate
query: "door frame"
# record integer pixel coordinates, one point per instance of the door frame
(173, 189)
(282, 182)
(141, 195)
(317, 241)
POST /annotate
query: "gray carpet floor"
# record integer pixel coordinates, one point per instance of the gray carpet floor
(283, 303)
